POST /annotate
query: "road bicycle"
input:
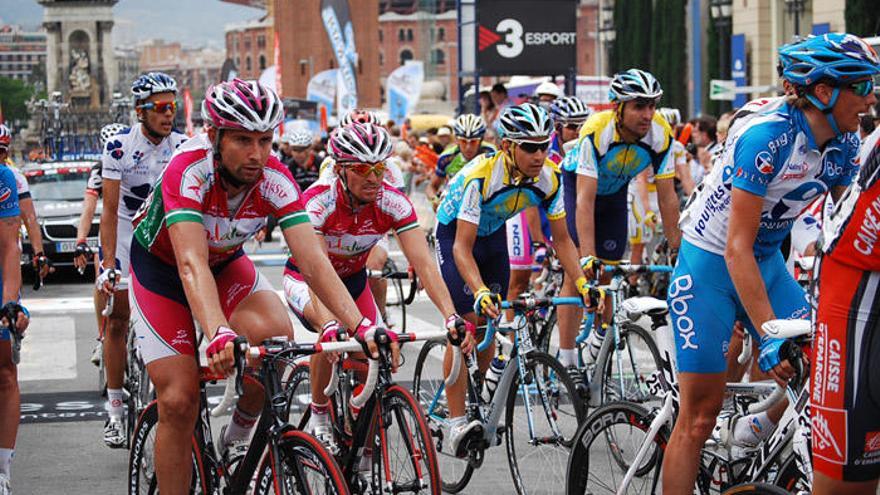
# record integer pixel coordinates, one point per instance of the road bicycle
(403, 297)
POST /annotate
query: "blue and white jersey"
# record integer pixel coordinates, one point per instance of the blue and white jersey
(772, 155)
(136, 163)
(8, 195)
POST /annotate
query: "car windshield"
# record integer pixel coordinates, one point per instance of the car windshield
(58, 187)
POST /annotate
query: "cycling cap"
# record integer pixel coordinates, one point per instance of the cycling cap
(672, 115)
(524, 121)
(110, 130)
(360, 143)
(548, 88)
(358, 115)
(244, 105)
(632, 84)
(5, 135)
(298, 138)
(152, 83)
(469, 126)
(569, 109)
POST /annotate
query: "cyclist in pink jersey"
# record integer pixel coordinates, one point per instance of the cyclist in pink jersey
(187, 260)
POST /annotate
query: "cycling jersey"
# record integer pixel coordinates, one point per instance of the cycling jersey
(451, 161)
(772, 155)
(94, 184)
(350, 233)
(189, 190)
(485, 194)
(613, 163)
(136, 163)
(8, 208)
(21, 184)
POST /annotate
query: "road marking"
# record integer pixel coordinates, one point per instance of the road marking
(48, 351)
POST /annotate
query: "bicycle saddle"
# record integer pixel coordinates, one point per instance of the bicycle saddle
(644, 305)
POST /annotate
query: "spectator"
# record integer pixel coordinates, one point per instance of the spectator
(705, 138)
(444, 137)
(487, 107)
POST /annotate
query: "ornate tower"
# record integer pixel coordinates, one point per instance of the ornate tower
(79, 60)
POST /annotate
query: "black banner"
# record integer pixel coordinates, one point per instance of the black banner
(526, 37)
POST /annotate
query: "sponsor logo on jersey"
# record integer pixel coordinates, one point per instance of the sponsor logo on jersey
(872, 441)
(764, 163)
(869, 229)
(829, 434)
(115, 149)
(5, 194)
(795, 171)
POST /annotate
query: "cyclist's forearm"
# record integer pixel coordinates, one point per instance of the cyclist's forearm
(109, 223)
(533, 222)
(565, 250)
(90, 204)
(201, 292)
(29, 217)
(669, 212)
(746, 277)
(415, 248)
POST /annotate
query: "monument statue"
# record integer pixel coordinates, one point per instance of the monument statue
(80, 79)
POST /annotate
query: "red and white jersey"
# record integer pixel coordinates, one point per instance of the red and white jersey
(351, 233)
(189, 189)
(851, 234)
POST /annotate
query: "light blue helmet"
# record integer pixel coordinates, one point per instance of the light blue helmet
(152, 83)
(634, 83)
(524, 121)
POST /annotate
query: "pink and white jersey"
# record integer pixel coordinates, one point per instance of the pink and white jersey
(349, 233)
(190, 191)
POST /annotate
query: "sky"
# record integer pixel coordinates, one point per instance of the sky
(192, 22)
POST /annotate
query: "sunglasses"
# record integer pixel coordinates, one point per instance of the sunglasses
(365, 169)
(531, 147)
(861, 88)
(160, 107)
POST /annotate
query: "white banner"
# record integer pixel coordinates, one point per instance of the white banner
(322, 89)
(404, 86)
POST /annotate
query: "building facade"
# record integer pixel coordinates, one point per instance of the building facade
(22, 54)
(192, 68)
(251, 46)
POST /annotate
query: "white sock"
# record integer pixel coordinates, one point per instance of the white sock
(6, 461)
(115, 407)
(239, 429)
(753, 428)
(568, 357)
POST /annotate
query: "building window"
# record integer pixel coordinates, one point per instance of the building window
(247, 44)
(401, 35)
(441, 34)
(438, 56)
(238, 63)
(262, 62)
(380, 36)
(247, 63)
(381, 59)
(405, 54)
(409, 35)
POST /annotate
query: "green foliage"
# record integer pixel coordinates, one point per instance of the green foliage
(712, 70)
(862, 17)
(14, 95)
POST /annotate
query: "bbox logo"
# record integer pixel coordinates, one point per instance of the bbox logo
(511, 38)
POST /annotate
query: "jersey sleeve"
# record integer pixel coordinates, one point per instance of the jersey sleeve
(94, 182)
(665, 168)
(8, 194)
(587, 163)
(111, 160)
(281, 192)
(21, 184)
(471, 202)
(184, 187)
(553, 204)
(754, 164)
(851, 162)
(442, 163)
(401, 210)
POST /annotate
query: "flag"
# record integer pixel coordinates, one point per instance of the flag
(187, 111)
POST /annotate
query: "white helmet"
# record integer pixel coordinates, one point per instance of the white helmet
(298, 138)
(469, 126)
(359, 143)
(548, 88)
(244, 105)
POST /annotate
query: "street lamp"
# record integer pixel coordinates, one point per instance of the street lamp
(722, 15)
(796, 8)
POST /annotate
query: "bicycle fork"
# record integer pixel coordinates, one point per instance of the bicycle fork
(664, 415)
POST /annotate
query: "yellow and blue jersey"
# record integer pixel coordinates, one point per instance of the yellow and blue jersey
(601, 154)
(484, 193)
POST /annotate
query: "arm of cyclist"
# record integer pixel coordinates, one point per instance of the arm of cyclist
(432, 190)
(463, 254)
(415, 248)
(585, 224)
(90, 204)
(669, 212)
(11, 256)
(109, 219)
(32, 225)
(745, 219)
(568, 257)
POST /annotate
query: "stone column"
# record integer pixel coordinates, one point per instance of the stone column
(53, 45)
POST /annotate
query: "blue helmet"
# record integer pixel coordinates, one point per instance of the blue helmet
(524, 121)
(634, 83)
(834, 57)
(152, 83)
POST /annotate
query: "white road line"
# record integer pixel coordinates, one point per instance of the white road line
(48, 351)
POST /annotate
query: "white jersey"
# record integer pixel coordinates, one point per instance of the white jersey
(136, 163)
(21, 184)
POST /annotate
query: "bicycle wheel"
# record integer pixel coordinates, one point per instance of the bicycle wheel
(545, 429)
(791, 478)
(545, 332)
(429, 390)
(404, 460)
(605, 446)
(756, 489)
(299, 393)
(629, 367)
(305, 467)
(141, 465)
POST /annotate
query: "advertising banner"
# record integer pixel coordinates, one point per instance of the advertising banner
(322, 89)
(337, 21)
(404, 87)
(738, 67)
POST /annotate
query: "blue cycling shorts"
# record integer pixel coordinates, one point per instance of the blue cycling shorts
(611, 215)
(704, 305)
(490, 253)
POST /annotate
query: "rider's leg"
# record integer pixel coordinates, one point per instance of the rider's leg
(569, 318)
(378, 286)
(115, 332)
(701, 398)
(824, 485)
(10, 405)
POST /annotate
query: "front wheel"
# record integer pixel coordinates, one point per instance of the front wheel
(629, 367)
(542, 417)
(304, 466)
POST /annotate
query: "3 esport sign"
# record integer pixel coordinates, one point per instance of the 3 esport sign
(526, 37)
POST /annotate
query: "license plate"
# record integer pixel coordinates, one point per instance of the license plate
(70, 246)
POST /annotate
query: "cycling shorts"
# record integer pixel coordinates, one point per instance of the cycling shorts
(490, 253)
(298, 295)
(845, 386)
(704, 305)
(160, 315)
(124, 232)
(519, 242)
(639, 230)
(610, 226)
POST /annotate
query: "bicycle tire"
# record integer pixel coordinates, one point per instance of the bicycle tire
(299, 394)
(756, 489)
(545, 332)
(300, 453)
(790, 478)
(455, 473)
(552, 381)
(142, 479)
(581, 477)
(635, 386)
(397, 402)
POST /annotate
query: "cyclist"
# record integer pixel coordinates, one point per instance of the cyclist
(302, 163)
(187, 260)
(731, 267)
(130, 165)
(39, 261)
(546, 93)
(614, 146)
(352, 211)
(471, 241)
(10, 396)
(469, 130)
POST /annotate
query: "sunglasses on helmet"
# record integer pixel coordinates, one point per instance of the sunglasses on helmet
(365, 169)
(531, 147)
(161, 107)
(861, 88)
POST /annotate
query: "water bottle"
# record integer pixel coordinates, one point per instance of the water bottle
(594, 342)
(493, 374)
